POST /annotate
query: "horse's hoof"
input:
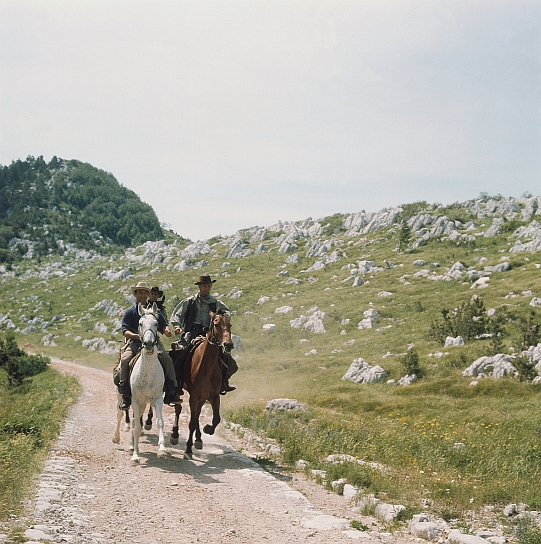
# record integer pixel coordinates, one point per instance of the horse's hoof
(148, 427)
(198, 444)
(188, 455)
(116, 440)
(162, 454)
(173, 441)
(135, 461)
(208, 429)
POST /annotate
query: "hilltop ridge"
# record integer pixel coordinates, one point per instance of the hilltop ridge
(48, 207)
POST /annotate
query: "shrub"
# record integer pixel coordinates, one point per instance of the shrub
(527, 531)
(359, 525)
(9, 349)
(468, 320)
(405, 235)
(18, 364)
(410, 363)
(525, 368)
(24, 367)
(530, 330)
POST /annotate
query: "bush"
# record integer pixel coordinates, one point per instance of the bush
(527, 531)
(525, 368)
(405, 236)
(530, 330)
(468, 320)
(9, 349)
(410, 363)
(18, 364)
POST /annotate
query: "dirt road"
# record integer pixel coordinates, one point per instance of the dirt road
(90, 492)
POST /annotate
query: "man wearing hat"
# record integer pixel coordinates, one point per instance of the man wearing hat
(130, 328)
(192, 317)
(155, 294)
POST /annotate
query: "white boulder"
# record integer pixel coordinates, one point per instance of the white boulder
(450, 341)
(496, 366)
(361, 372)
(285, 405)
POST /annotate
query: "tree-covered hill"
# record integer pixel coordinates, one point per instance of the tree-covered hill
(44, 206)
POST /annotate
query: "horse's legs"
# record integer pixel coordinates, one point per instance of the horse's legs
(215, 403)
(148, 422)
(119, 416)
(173, 439)
(136, 430)
(195, 411)
(198, 444)
(158, 406)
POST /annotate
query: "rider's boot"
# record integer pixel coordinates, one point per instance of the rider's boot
(126, 396)
(171, 397)
(226, 388)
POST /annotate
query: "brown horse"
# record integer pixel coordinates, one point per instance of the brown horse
(203, 381)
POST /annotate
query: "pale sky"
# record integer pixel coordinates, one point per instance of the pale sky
(227, 114)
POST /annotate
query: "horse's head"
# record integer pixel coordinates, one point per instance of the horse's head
(220, 332)
(148, 327)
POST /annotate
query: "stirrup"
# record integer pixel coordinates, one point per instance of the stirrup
(172, 399)
(227, 389)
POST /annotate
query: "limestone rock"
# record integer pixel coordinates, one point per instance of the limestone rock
(361, 372)
(496, 366)
(285, 405)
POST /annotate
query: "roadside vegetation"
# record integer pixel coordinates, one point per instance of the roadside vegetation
(33, 404)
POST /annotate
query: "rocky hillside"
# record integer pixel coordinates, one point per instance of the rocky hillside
(467, 244)
(412, 335)
(46, 208)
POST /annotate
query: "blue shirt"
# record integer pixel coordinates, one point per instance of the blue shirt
(130, 320)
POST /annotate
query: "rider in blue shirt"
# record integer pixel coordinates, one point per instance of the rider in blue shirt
(130, 330)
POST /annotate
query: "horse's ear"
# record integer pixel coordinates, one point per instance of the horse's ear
(212, 315)
(140, 309)
(154, 308)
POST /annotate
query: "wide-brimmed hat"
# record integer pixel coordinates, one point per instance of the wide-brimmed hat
(204, 279)
(157, 290)
(141, 286)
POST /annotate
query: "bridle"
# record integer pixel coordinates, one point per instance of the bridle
(152, 331)
(212, 338)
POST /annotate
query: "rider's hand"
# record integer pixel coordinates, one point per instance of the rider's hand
(178, 330)
(167, 332)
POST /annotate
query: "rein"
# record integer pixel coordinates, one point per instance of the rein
(154, 333)
(211, 337)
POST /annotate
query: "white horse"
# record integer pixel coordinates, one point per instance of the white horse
(122, 415)
(147, 380)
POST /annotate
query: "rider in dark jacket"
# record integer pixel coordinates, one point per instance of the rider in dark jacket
(192, 318)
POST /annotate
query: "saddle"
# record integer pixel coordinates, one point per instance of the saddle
(116, 368)
(181, 355)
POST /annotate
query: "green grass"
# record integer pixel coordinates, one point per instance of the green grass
(410, 430)
(30, 419)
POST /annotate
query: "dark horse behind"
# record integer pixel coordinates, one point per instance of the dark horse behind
(202, 378)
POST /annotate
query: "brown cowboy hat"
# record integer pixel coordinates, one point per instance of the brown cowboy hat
(157, 290)
(203, 280)
(141, 286)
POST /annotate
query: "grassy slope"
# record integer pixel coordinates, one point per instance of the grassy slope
(30, 419)
(410, 429)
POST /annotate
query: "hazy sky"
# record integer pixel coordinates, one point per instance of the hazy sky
(227, 114)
